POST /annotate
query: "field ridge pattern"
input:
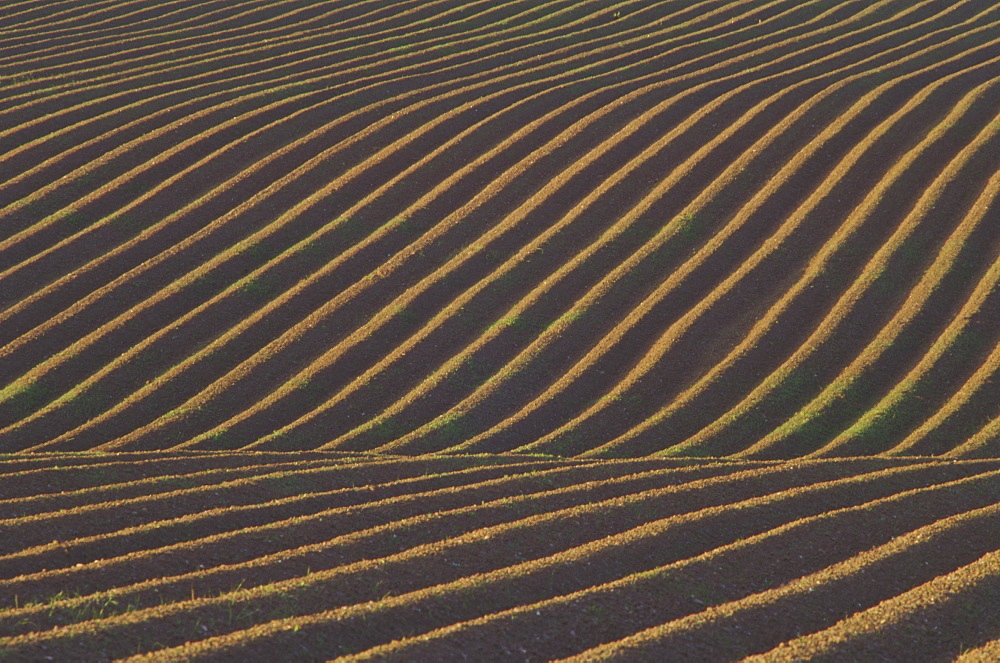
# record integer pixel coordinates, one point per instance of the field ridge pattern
(464, 329)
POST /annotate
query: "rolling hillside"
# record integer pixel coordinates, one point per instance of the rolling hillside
(435, 330)
(609, 229)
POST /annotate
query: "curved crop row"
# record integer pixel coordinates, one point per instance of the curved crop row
(758, 228)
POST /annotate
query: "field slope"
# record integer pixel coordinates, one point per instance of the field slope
(747, 228)
(431, 330)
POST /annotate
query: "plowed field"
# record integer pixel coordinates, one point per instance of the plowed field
(247, 556)
(431, 329)
(762, 229)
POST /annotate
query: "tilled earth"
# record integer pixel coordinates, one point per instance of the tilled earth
(430, 330)
(257, 556)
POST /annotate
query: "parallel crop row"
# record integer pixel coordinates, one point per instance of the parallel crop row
(217, 556)
(757, 228)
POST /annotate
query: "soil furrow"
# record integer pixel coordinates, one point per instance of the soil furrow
(607, 613)
(493, 587)
(596, 379)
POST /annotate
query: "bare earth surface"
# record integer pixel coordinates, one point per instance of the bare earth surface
(430, 330)
(238, 556)
(752, 228)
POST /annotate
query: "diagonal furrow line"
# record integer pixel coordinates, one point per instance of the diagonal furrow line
(675, 278)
